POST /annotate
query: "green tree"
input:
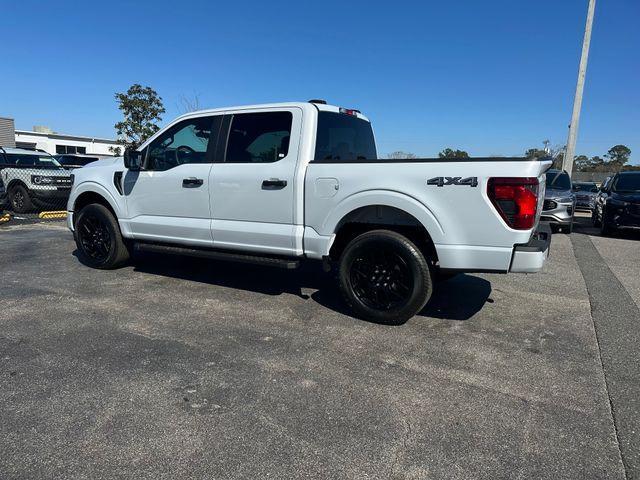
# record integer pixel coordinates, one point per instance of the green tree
(400, 155)
(142, 109)
(582, 163)
(450, 153)
(536, 153)
(618, 156)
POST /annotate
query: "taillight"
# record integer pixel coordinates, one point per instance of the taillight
(516, 200)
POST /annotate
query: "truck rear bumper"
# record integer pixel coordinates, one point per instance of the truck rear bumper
(530, 257)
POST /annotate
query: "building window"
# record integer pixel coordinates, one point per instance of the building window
(70, 149)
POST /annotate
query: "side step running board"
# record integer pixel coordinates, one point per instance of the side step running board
(285, 263)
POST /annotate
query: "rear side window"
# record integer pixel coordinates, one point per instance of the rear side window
(259, 137)
(344, 137)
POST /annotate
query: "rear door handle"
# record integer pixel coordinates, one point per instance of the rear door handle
(273, 184)
(192, 182)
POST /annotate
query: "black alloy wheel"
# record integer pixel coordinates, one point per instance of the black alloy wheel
(94, 237)
(98, 238)
(381, 279)
(20, 200)
(384, 277)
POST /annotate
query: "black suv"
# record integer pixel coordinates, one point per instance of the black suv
(619, 205)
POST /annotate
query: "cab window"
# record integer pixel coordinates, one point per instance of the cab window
(259, 137)
(185, 142)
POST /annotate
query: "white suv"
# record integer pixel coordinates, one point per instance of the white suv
(33, 179)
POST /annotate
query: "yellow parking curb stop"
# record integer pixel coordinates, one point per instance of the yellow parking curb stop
(53, 214)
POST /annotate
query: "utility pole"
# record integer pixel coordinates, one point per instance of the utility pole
(577, 102)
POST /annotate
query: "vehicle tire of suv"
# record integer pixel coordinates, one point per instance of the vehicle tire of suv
(98, 238)
(606, 229)
(20, 200)
(594, 218)
(570, 228)
(384, 277)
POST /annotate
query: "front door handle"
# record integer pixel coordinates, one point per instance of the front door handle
(273, 184)
(192, 182)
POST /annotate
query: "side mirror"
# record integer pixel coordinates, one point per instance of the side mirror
(133, 160)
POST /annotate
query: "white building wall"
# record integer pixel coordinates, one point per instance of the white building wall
(49, 141)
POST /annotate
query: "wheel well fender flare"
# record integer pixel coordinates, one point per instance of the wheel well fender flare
(92, 188)
(386, 198)
(16, 183)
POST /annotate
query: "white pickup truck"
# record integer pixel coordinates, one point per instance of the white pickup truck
(280, 183)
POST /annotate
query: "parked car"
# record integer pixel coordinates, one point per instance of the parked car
(71, 161)
(601, 196)
(559, 202)
(585, 193)
(282, 183)
(618, 205)
(33, 179)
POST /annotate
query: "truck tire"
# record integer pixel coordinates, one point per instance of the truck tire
(20, 200)
(384, 277)
(98, 238)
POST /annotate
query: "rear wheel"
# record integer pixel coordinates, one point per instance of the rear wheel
(384, 277)
(20, 199)
(98, 238)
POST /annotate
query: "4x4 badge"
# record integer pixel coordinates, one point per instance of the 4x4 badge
(444, 181)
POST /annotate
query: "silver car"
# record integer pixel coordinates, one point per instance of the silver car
(585, 193)
(559, 201)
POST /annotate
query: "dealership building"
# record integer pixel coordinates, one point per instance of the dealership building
(44, 138)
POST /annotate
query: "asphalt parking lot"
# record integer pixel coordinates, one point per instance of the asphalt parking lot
(182, 368)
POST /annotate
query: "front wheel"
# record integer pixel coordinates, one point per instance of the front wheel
(594, 218)
(20, 200)
(384, 277)
(98, 238)
(605, 228)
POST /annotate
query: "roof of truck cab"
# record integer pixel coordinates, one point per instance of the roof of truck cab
(303, 105)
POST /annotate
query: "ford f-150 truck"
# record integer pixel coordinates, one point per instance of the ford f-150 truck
(276, 184)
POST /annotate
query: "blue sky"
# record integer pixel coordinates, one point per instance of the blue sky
(489, 77)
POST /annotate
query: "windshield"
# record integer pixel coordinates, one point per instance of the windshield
(344, 137)
(31, 160)
(627, 183)
(585, 187)
(559, 181)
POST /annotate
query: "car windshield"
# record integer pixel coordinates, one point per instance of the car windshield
(32, 160)
(585, 187)
(558, 180)
(344, 137)
(629, 182)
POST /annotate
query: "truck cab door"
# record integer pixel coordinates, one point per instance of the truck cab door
(253, 188)
(168, 200)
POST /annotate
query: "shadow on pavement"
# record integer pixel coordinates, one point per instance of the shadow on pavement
(582, 225)
(456, 299)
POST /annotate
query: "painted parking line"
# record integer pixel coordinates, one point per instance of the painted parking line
(616, 318)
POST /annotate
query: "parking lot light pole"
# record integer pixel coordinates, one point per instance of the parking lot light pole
(577, 102)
